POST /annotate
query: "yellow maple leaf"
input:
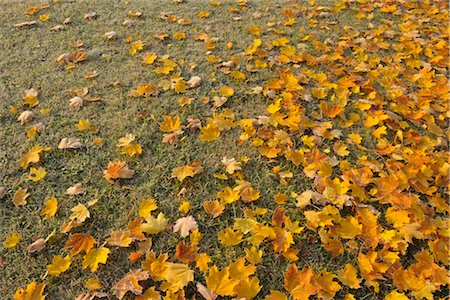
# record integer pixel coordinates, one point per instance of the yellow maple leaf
(209, 133)
(253, 256)
(220, 282)
(178, 275)
(136, 46)
(33, 291)
(37, 174)
(50, 208)
(147, 206)
(132, 150)
(238, 75)
(276, 295)
(326, 284)
(180, 86)
(93, 284)
(229, 195)
(349, 276)
(184, 207)
(150, 294)
(202, 261)
(298, 284)
(155, 225)
(394, 295)
(32, 156)
(170, 124)
(187, 171)
(226, 91)
(79, 213)
(248, 288)
(126, 140)
(12, 240)
(59, 265)
(179, 36)
(95, 257)
(84, 125)
(229, 237)
(149, 58)
(348, 228)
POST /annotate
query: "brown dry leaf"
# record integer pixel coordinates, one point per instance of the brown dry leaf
(70, 143)
(25, 117)
(172, 138)
(205, 292)
(25, 24)
(20, 197)
(110, 35)
(130, 282)
(219, 101)
(193, 124)
(37, 246)
(76, 102)
(90, 74)
(135, 14)
(57, 27)
(194, 82)
(76, 189)
(91, 295)
(90, 16)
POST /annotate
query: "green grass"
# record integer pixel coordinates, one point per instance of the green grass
(27, 60)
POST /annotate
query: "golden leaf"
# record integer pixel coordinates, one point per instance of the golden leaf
(33, 291)
(229, 237)
(95, 257)
(220, 282)
(59, 265)
(79, 213)
(12, 240)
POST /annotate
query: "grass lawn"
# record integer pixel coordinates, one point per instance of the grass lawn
(315, 132)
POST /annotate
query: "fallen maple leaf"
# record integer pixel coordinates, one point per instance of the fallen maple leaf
(116, 170)
(76, 189)
(194, 82)
(20, 197)
(80, 242)
(79, 213)
(25, 117)
(185, 225)
(34, 291)
(130, 282)
(70, 143)
(59, 265)
(95, 257)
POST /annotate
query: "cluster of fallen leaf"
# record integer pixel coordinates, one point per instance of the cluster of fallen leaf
(381, 93)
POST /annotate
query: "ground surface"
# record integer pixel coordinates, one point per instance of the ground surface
(335, 114)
